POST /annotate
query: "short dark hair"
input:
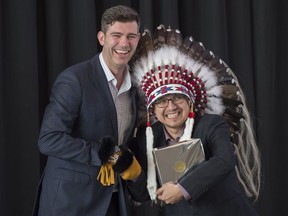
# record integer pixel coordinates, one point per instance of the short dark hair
(119, 13)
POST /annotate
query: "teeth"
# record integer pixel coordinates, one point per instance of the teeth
(174, 115)
(122, 51)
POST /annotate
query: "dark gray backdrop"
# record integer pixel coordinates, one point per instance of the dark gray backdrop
(38, 39)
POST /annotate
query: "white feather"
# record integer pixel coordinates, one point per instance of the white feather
(214, 91)
(157, 58)
(144, 66)
(137, 74)
(193, 66)
(214, 106)
(173, 55)
(150, 61)
(208, 77)
(181, 59)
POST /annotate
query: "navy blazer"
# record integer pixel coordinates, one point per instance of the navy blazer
(212, 185)
(80, 112)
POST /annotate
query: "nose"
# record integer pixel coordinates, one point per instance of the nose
(171, 105)
(124, 41)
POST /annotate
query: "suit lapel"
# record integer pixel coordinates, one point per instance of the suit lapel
(134, 113)
(101, 84)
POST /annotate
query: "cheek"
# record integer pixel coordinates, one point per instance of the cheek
(157, 113)
(134, 43)
(185, 113)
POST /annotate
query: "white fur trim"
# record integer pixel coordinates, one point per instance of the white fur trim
(151, 171)
(188, 129)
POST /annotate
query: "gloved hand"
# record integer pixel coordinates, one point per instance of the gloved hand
(118, 159)
(127, 165)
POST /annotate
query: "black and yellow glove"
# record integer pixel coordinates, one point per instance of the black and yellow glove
(127, 165)
(116, 159)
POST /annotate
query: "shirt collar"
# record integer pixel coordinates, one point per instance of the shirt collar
(169, 139)
(126, 85)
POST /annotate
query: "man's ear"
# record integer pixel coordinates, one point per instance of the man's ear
(101, 37)
(152, 113)
(138, 36)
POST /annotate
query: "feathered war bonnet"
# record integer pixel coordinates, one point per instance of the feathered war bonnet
(167, 64)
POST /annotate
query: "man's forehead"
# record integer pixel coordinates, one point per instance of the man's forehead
(119, 25)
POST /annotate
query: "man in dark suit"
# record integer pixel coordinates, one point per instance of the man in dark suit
(89, 101)
(209, 189)
(187, 95)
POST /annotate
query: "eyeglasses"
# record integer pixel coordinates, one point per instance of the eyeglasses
(176, 99)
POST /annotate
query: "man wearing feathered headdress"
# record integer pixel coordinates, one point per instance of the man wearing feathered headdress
(192, 94)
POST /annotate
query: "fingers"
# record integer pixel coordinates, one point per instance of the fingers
(170, 193)
(113, 158)
(123, 162)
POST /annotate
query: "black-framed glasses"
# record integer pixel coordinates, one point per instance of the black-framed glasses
(175, 99)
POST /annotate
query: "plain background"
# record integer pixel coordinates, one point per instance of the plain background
(38, 39)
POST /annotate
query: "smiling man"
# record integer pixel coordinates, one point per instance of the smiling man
(187, 89)
(119, 43)
(89, 101)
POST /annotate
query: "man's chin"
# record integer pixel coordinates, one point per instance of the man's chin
(174, 125)
(122, 61)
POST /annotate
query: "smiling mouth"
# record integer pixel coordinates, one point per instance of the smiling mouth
(122, 51)
(172, 115)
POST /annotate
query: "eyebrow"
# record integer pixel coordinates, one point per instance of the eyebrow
(120, 33)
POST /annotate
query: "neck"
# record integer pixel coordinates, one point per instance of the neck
(174, 132)
(119, 76)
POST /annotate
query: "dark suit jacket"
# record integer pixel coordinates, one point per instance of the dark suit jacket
(80, 112)
(212, 185)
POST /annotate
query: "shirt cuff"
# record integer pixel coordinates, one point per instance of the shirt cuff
(184, 192)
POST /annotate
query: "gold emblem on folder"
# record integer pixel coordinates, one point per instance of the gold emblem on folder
(174, 160)
(180, 166)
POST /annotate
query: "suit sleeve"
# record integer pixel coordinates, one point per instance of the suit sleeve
(137, 188)
(220, 159)
(55, 138)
